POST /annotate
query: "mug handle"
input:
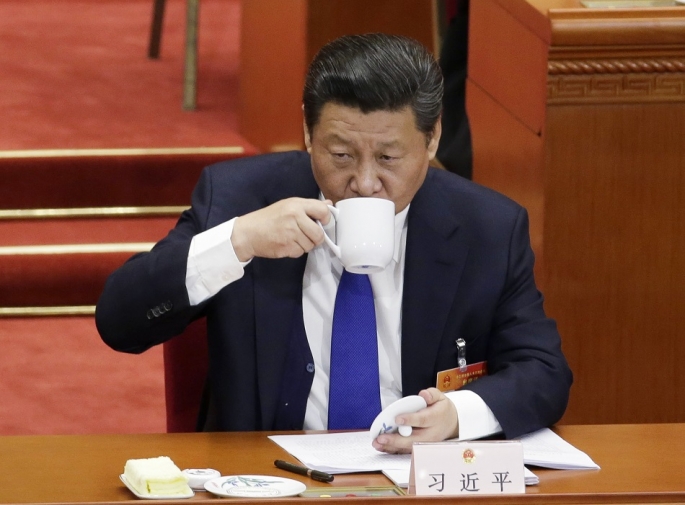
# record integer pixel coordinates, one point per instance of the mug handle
(334, 247)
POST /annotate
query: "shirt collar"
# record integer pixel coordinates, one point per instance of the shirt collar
(400, 226)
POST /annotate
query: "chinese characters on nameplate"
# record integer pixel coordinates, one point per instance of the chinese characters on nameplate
(467, 468)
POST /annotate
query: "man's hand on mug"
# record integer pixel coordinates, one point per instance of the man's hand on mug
(285, 229)
(437, 422)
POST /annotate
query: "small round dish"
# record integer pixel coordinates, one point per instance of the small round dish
(198, 476)
(254, 486)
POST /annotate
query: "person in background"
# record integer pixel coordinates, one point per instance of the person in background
(455, 151)
(249, 256)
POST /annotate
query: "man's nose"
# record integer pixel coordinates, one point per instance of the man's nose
(366, 181)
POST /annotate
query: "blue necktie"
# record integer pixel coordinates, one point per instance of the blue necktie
(354, 393)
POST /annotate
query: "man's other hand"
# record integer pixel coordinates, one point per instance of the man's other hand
(437, 422)
(285, 229)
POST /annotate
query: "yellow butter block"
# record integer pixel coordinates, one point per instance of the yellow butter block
(156, 476)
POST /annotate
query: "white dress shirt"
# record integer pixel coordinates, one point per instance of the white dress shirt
(213, 264)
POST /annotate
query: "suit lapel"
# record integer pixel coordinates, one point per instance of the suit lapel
(278, 298)
(278, 301)
(435, 256)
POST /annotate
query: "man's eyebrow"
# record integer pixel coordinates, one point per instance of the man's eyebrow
(334, 137)
(391, 143)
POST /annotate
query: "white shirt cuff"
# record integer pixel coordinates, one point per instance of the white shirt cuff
(476, 420)
(212, 263)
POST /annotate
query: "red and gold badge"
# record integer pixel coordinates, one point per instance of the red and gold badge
(454, 378)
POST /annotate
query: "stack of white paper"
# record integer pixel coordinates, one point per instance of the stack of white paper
(352, 452)
(547, 449)
(341, 452)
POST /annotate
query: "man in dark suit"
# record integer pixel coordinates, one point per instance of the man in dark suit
(248, 255)
(455, 152)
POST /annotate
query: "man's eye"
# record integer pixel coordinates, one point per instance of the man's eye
(385, 157)
(341, 156)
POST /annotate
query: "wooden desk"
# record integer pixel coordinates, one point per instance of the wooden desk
(640, 464)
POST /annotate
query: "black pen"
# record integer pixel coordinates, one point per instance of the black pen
(301, 470)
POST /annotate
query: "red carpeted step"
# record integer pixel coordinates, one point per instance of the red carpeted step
(65, 262)
(27, 232)
(105, 178)
(83, 251)
(56, 279)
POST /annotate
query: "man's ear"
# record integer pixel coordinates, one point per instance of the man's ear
(435, 139)
(307, 136)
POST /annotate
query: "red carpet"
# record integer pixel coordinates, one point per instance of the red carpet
(75, 75)
(58, 378)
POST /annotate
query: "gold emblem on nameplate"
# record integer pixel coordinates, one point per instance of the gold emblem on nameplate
(446, 382)
(468, 456)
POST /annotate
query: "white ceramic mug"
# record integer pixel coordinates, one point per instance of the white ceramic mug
(364, 232)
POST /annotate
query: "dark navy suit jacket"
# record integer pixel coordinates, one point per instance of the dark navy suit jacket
(468, 274)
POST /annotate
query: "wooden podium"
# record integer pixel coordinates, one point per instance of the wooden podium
(280, 37)
(579, 114)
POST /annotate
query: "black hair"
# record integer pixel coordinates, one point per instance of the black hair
(374, 72)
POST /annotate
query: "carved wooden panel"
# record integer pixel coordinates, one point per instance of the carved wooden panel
(616, 80)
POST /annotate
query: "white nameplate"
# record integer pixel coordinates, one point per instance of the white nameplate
(467, 468)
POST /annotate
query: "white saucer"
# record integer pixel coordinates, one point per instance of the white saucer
(254, 486)
(154, 496)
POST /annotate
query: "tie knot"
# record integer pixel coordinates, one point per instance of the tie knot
(355, 283)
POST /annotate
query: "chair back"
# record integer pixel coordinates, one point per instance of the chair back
(185, 376)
